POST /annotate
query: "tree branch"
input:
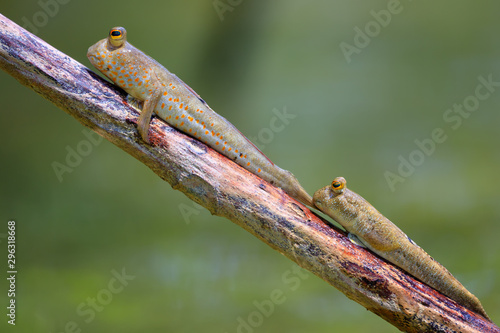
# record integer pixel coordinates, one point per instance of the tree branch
(227, 190)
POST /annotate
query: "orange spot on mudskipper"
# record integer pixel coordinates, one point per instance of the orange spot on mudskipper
(206, 132)
(248, 164)
(109, 66)
(259, 170)
(201, 111)
(170, 108)
(213, 133)
(136, 80)
(229, 149)
(194, 133)
(212, 124)
(182, 123)
(140, 83)
(181, 106)
(245, 156)
(190, 118)
(162, 105)
(190, 130)
(186, 108)
(236, 151)
(223, 148)
(165, 93)
(170, 99)
(217, 143)
(176, 117)
(118, 68)
(183, 116)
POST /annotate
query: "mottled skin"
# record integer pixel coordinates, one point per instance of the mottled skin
(176, 103)
(384, 238)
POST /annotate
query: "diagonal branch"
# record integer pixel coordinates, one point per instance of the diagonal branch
(228, 190)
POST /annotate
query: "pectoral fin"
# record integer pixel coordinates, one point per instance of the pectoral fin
(355, 240)
(146, 113)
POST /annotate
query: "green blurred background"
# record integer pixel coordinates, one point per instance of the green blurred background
(197, 272)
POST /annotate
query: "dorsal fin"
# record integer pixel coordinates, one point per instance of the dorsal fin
(250, 142)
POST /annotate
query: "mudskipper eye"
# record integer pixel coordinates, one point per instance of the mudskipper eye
(117, 36)
(115, 33)
(338, 184)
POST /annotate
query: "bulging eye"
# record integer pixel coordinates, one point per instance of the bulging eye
(338, 184)
(115, 33)
(117, 36)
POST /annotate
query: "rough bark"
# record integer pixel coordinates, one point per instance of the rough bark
(228, 190)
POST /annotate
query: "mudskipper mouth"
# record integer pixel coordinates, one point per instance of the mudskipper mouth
(317, 199)
(317, 203)
(91, 55)
(322, 197)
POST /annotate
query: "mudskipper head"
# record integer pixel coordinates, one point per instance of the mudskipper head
(336, 201)
(101, 53)
(324, 197)
(112, 57)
